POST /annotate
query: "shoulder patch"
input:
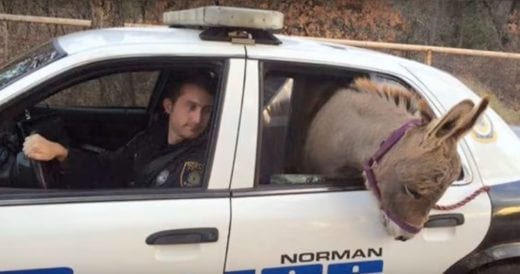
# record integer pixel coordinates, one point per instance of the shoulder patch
(191, 174)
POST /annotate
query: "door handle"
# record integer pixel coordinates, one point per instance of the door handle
(183, 236)
(445, 220)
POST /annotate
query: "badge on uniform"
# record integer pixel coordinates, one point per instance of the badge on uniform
(161, 178)
(191, 174)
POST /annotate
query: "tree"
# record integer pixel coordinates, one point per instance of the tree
(106, 13)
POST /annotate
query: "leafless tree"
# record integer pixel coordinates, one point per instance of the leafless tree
(106, 13)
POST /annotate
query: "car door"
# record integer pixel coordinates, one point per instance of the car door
(292, 223)
(128, 230)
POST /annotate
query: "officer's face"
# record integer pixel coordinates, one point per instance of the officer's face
(189, 114)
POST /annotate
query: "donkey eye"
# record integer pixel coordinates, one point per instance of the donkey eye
(412, 193)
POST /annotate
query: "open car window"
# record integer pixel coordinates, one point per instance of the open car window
(291, 95)
(101, 112)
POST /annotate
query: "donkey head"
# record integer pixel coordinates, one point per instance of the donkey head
(415, 173)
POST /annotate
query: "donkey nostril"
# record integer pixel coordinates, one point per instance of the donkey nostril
(401, 238)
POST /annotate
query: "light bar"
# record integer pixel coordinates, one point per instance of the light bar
(220, 16)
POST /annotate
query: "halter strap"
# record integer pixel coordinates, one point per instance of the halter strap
(387, 144)
(403, 224)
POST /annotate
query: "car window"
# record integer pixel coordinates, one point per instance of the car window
(115, 125)
(127, 89)
(291, 96)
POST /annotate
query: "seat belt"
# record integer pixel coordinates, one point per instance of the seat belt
(147, 177)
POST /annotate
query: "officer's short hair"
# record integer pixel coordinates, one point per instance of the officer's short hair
(204, 80)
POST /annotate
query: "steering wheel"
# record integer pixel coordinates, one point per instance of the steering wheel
(39, 168)
(25, 173)
(41, 177)
(50, 125)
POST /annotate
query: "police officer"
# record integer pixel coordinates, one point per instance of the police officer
(169, 153)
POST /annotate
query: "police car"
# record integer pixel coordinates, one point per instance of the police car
(95, 89)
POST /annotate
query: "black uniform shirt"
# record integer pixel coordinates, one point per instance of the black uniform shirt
(146, 161)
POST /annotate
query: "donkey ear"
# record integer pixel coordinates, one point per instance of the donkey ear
(459, 120)
(470, 119)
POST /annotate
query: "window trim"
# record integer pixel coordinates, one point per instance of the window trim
(95, 196)
(272, 190)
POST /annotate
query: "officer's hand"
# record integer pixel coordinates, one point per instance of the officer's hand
(38, 148)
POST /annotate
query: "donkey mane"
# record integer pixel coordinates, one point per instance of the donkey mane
(401, 97)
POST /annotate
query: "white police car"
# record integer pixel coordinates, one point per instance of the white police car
(95, 89)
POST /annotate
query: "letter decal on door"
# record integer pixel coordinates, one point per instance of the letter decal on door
(59, 270)
(357, 267)
(301, 269)
(362, 267)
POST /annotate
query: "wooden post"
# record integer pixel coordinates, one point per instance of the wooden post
(6, 41)
(428, 58)
(44, 20)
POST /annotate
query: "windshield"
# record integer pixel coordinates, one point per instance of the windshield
(29, 62)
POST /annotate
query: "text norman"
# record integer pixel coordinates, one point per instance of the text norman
(331, 255)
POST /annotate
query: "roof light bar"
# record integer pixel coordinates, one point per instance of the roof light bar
(220, 16)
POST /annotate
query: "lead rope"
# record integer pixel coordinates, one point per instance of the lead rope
(464, 201)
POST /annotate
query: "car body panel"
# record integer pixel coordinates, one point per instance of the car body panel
(110, 237)
(502, 242)
(179, 39)
(222, 167)
(272, 224)
(247, 140)
(305, 51)
(309, 220)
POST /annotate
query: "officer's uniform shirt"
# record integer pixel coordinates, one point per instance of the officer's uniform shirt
(146, 161)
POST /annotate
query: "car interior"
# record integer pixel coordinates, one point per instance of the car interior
(292, 95)
(89, 109)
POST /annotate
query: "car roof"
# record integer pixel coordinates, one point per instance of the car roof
(113, 37)
(110, 37)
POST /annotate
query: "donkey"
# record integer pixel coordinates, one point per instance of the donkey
(420, 158)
